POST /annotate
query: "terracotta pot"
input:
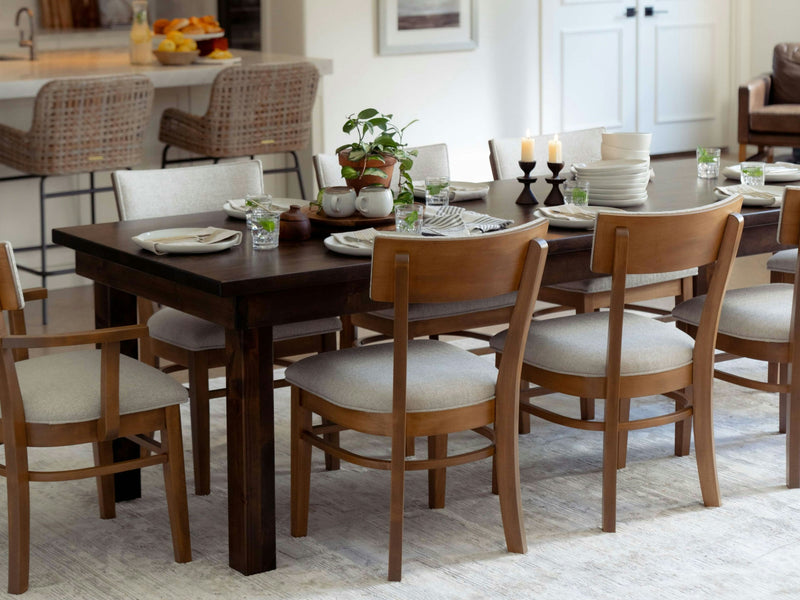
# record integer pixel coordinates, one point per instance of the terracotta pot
(387, 167)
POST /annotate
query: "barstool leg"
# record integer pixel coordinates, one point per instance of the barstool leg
(91, 195)
(43, 245)
(299, 175)
(164, 156)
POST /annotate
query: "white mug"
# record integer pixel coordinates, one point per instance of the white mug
(375, 201)
(338, 202)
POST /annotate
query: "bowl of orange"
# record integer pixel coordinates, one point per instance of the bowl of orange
(173, 58)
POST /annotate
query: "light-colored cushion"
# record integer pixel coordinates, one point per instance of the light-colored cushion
(440, 377)
(164, 192)
(577, 345)
(783, 261)
(603, 284)
(761, 313)
(419, 312)
(65, 387)
(193, 333)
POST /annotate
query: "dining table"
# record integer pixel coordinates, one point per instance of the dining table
(248, 292)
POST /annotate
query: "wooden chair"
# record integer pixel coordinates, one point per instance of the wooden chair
(424, 387)
(759, 322)
(78, 397)
(185, 340)
(618, 355)
(80, 125)
(253, 110)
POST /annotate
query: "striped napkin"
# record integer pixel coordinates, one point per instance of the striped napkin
(456, 221)
(362, 238)
(748, 191)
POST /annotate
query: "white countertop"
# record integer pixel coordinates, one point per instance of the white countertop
(23, 78)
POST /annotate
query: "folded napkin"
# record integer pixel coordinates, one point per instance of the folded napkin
(460, 191)
(749, 191)
(455, 221)
(362, 238)
(568, 212)
(205, 236)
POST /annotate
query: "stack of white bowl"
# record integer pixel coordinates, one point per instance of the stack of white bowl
(621, 183)
(616, 146)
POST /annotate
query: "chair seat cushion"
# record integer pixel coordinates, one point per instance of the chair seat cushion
(761, 313)
(776, 118)
(65, 387)
(195, 334)
(420, 312)
(577, 345)
(783, 261)
(603, 284)
(440, 377)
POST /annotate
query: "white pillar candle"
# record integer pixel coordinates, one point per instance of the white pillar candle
(526, 154)
(554, 150)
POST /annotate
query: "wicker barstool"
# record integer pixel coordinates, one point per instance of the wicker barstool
(253, 110)
(80, 125)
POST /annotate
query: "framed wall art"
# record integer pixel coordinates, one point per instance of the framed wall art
(416, 26)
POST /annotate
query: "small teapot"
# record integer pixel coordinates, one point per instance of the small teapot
(375, 202)
(338, 202)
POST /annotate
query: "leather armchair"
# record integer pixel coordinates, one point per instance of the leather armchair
(769, 105)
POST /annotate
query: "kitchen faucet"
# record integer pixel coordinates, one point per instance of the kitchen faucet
(22, 41)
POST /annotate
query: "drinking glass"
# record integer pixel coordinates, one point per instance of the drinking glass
(753, 173)
(408, 218)
(265, 229)
(437, 191)
(253, 201)
(708, 162)
(576, 191)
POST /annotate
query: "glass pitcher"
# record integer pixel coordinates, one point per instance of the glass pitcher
(140, 46)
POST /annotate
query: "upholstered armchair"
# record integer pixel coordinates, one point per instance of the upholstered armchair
(769, 105)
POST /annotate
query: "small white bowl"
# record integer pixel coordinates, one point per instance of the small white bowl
(629, 141)
(614, 153)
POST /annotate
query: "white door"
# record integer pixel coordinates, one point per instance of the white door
(683, 80)
(588, 65)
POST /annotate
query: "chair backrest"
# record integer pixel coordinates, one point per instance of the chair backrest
(89, 124)
(581, 145)
(407, 269)
(789, 225)
(431, 161)
(10, 287)
(627, 243)
(163, 192)
(261, 109)
(786, 74)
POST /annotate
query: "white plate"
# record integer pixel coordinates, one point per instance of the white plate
(637, 195)
(334, 246)
(197, 37)
(574, 223)
(777, 172)
(618, 166)
(617, 203)
(144, 240)
(204, 60)
(755, 200)
(279, 204)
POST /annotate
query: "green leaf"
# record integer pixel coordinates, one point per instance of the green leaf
(356, 155)
(376, 157)
(267, 225)
(375, 171)
(405, 197)
(349, 126)
(349, 173)
(367, 113)
(406, 164)
(344, 147)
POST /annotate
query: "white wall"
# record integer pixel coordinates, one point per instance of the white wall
(461, 98)
(772, 22)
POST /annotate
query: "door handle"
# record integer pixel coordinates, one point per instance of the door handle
(630, 12)
(649, 11)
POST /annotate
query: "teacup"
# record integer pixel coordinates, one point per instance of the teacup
(375, 201)
(338, 202)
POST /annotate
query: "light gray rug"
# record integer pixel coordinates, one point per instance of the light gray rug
(667, 544)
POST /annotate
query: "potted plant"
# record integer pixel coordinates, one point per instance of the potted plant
(371, 159)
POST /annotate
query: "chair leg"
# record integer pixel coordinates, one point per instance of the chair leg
(299, 174)
(19, 518)
(300, 466)
(793, 438)
(742, 152)
(201, 426)
(347, 337)
(164, 156)
(505, 478)
(622, 436)
(175, 486)
(396, 503)
(104, 455)
(587, 409)
(332, 463)
(783, 397)
(610, 459)
(701, 399)
(683, 431)
(437, 478)
(524, 417)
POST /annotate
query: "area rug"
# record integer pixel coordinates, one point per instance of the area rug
(667, 544)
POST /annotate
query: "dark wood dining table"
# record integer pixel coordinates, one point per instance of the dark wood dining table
(248, 292)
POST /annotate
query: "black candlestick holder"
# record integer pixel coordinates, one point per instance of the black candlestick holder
(526, 196)
(555, 197)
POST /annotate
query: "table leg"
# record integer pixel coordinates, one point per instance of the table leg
(251, 450)
(112, 308)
